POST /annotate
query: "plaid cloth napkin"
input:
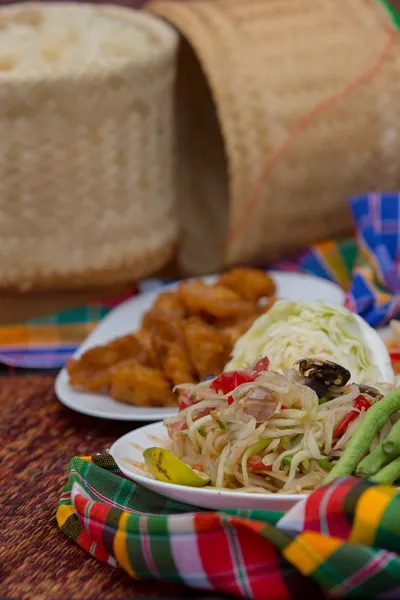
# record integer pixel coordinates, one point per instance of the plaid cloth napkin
(366, 267)
(342, 541)
(375, 288)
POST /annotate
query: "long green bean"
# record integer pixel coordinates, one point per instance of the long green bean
(391, 444)
(358, 445)
(388, 474)
(372, 463)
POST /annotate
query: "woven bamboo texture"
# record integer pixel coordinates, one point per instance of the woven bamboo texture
(87, 165)
(304, 92)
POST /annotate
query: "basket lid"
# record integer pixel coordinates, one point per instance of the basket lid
(269, 66)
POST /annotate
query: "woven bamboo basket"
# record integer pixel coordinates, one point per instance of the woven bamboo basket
(87, 152)
(286, 109)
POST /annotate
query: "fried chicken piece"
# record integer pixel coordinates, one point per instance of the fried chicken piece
(87, 378)
(208, 348)
(91, 370)
(165, 333)
(178, 367)
(170, 348)
(249, 284)
(140, 385)
(149, 318)
(170, 303)
(233, 330)
(145, 337)
(217, 301)
(167, 304)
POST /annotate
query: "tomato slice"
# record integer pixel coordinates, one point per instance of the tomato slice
(179, 426)
(202, 413)
(185, 400)
(255, 463)
(229, 381)
(262, 364)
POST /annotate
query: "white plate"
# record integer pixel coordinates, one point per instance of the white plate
(127, 318)
(129, 449)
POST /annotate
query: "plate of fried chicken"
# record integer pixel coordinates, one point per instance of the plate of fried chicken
(128, 367)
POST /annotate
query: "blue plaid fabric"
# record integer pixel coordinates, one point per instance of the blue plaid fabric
(375, 287)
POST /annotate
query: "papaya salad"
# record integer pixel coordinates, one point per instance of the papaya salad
(287, 423)
(257, 430)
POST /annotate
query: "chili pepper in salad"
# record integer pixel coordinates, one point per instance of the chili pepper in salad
(394, 354)
(360, 403)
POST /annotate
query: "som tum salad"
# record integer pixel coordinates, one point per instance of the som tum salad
(261, 430)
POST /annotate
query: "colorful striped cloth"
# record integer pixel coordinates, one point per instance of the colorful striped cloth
(342, 541)
(375, 286)
(366, 267)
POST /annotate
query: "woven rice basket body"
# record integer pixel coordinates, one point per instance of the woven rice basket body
(87, 163)
(249, 73)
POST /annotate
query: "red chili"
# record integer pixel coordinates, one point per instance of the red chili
(255, 463)
(394, 355)
(229, 381)
(361, 403)
(262, 364)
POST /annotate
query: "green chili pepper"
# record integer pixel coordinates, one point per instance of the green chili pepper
(287, 460)
(325, 463)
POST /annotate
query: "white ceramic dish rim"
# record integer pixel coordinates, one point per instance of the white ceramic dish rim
(164, 488)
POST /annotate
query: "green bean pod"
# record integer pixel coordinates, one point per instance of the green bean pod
(388, 474)
(372, 463)
(358, 445)
(391, 444)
